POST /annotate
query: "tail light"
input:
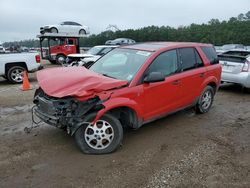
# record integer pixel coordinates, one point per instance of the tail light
(246, 67)
(38, 58)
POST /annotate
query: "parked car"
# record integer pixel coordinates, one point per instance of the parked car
(219, 49)
(91, 56)
(67, 27)
(13, 65)
(2, 49)
(236, 67)
(128, 87)
(227, 47)
(120, 41)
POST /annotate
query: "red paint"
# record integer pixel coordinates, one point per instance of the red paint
(75, 81)
(65, 48)
(149, 101)
(38, 58)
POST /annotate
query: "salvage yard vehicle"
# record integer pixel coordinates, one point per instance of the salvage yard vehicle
(13, 65)
(91, 56)
(236, 67)
(128, 87)
(58, 47)
(67, 27)
(2, 49)
(120, 41)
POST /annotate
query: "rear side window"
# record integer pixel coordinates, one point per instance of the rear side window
(190, 58)
(211, 54)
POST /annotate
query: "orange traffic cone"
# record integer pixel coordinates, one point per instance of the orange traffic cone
(26, 83)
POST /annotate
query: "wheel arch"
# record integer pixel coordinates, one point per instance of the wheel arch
(122, 108)
(12, 64)
(211, 81)
(85, 32)
(53, 27)
(61, 54)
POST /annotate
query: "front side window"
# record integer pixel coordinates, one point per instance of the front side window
(120, 63)
(166, 63)
(75, 24)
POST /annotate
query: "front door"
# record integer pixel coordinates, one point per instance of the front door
(162, 97)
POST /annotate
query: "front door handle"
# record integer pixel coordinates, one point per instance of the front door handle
(202, 75)
(176, 82)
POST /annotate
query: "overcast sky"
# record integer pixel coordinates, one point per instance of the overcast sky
(21, 19)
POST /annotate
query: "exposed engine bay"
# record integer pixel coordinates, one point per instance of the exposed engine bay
(65, 113)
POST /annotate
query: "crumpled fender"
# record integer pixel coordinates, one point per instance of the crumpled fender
(119, 102)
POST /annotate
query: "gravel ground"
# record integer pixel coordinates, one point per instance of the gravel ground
(181, 150)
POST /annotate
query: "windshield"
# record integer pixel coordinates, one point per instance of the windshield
(120, 63)
(94, 50)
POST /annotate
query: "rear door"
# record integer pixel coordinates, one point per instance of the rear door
(192, 76)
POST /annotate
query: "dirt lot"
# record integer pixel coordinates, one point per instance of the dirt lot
(181, 150)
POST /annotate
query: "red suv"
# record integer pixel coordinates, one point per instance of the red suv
(128, 87)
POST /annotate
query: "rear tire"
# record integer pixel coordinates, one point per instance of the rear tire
(52, 62)
(205, 100)
(15, 74)
(82, 32)
(102, 138)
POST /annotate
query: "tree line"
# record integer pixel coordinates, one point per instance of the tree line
(234, 30)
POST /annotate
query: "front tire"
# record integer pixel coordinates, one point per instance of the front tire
(105, 136)
(60, 59)
(53, 30)
(15, 74)
(205, 100)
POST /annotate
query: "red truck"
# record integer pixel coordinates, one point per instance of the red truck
(59, 47)
(128, 87)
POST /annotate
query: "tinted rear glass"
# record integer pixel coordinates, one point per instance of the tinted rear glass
(231, 59)
(188, 58)
(211, 54)
(238, 53)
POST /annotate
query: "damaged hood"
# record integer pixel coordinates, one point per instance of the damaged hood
(75, 81)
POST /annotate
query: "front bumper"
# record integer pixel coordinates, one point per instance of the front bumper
(44, 30)
(242, 78)
(51, 120)
(63, 113)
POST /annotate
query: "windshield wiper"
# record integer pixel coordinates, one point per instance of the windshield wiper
(108, 76)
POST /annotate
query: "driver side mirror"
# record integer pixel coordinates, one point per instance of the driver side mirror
(154, 77)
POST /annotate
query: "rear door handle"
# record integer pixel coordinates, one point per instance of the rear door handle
(202, 75)
(176, 82)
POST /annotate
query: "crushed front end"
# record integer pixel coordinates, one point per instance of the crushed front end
(66, 113)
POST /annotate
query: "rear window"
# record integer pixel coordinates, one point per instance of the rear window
(211, 54)
(235, 59)
(238, 53)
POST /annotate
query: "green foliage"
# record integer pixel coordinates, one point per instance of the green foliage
(236, 30)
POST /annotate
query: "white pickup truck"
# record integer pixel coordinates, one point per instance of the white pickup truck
(13, 65)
